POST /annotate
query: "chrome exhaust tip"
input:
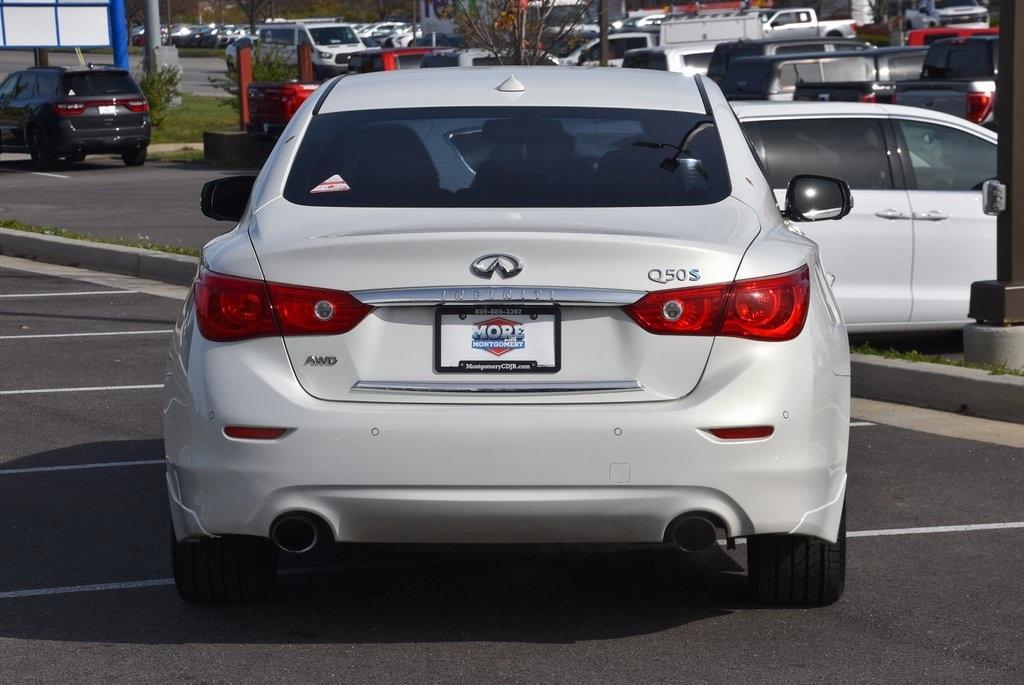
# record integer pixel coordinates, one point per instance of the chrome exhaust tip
(295, 533)
(693, 533)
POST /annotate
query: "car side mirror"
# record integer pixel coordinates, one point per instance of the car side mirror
(225, 198)
(817, 198)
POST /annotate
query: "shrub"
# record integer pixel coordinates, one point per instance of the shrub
(160, 88)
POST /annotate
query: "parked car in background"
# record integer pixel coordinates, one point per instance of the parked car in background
(272, 106)
(803, 22)
(589, 54)
(959, 77)
(387, 59)
(916, 238)
(892, 65)
(714, 27)
(332, 43)
(459, 58)
(689, 59)
(194, 38)
(776, 78)
(940, 13)
(398, 343)
(66, 113)
(929, 36)
(724, 53)
(439, 40)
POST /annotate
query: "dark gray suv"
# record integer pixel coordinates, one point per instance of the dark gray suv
(66, 113)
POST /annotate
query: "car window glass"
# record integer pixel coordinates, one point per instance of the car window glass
(848, 47)
(851, 149)
(848, 69)
(800, 47)
(507, 157)
(698, 60)
(409, 61)
(945, 158)
(905, 67)
(488, 61)
(26, 87)
(47, 84)
(7, 87)
(99, 83)
(745, 80)
(969, 60)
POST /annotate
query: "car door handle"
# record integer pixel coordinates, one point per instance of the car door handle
(891, 214)
(933, 215)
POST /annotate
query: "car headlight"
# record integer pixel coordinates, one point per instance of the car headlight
(323, 55)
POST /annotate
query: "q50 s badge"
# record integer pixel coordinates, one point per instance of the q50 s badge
(673, 275)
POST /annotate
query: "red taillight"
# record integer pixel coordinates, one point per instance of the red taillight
(979, 106)
(68, 109)
(771, 308)
(254, 432)
(869, 97)
(311, 311)
(137, 106)
(232, 308)
(742, 432)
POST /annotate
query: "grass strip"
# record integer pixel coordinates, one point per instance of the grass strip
(75, 235)
(915, 356)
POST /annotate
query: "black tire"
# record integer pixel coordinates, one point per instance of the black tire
(43, 156)
(796, 570)
(224, 570)
(76, 157)
(134, 157)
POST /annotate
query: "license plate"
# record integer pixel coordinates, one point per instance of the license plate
(497, 339)
(108, 109)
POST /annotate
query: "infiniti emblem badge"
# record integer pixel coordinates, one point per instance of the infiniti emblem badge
(505, 265)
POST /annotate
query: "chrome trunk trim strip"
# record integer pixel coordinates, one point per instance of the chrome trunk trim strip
(592, 297)
(498, 387)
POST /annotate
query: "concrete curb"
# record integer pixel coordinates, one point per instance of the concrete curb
(974, 392)
(118, 259)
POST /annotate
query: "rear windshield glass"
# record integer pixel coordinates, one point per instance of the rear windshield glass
(508, 157)
(99, 83)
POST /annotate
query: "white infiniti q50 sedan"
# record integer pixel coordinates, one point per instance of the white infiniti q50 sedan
(510, 305)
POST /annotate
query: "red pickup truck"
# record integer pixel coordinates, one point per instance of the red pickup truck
(271, 106)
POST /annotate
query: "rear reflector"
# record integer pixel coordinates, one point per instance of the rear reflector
(742, 432)
(254, 432)
(233, 308)
(770, 308)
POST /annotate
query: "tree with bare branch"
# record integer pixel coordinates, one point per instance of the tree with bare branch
(519, 31)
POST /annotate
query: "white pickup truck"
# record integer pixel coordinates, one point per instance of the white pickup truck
(926, 14)
(803, 22)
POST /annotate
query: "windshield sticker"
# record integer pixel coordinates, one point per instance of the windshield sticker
(335, 184)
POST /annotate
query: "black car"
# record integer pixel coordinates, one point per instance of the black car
(69, 112)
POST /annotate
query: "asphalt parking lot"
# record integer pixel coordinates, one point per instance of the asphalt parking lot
(933, 591)
(157, 203)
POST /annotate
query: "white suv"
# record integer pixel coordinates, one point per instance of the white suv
(917, 237)
(510, 305)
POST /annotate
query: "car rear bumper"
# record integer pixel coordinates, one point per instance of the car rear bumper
(507, 473)
(67, 139)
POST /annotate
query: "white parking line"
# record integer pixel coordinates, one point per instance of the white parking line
(13, 296)
(79, 467)
(99, 587)
(858, 424)
(160, 582)
(35, 173)
(82, 335)
(41, 391)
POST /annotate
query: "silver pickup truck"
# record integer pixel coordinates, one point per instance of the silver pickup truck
(958, 78)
